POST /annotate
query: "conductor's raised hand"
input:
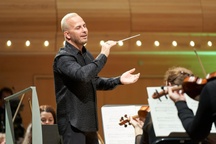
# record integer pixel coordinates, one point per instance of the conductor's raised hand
(105, 49)
(128, 77)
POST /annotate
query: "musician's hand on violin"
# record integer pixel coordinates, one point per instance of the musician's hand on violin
(176, 95)
(137, 123)
(128, 77)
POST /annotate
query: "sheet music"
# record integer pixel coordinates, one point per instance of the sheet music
(113, 132)
(164, 113)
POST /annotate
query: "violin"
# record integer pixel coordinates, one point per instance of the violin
(142, 113)
(191, 85)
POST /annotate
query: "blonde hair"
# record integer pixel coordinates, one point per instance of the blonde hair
(176, 75)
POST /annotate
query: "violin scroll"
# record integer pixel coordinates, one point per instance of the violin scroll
(142, 113)
(125, 120)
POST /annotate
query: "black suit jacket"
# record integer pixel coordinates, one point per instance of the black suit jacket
(76, 81)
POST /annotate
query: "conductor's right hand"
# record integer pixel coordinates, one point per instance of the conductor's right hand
(105, 49)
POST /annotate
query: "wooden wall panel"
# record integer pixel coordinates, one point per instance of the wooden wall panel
(36, 39)
(209, 13)
(27, 20)
(45, 89)
(111, 15)
(147, 39)
(38, 21)
(100, 16)
(27, 16)
(166, 16)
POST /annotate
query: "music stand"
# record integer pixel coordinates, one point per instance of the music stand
(50, 134)
(36, 122)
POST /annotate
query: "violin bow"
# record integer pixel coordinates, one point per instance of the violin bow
(200, 62)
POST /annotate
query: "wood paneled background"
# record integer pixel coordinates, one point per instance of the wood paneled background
(162, 20)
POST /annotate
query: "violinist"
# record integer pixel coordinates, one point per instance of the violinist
(173, 76)
(137, 124)
(138, 121)
(197, 126)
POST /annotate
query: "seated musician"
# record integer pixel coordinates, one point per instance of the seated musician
(173, 76)
(48, 117)
(197, 126)
(138, 122)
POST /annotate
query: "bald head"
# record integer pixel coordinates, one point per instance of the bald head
(64, 23)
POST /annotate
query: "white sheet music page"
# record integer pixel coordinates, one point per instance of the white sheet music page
(113, 132)
(164, 113)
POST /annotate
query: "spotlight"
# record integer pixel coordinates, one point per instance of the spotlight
(174, 43)
(46, 43)
(120, 43)
(27, 43)
(9, 43)
(209, 43)
(102, 42)
(157, 43)
(192, 43)
(138, 43)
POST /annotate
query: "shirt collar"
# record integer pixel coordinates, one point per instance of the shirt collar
(74, 49)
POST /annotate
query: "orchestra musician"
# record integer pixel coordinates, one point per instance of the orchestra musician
(197, 126)
(173, 76)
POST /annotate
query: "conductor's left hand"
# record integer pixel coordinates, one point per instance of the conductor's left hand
(128, 77)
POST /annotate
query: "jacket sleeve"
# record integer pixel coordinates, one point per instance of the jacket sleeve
(199, 126)
(68, 66)
(138, 139)
(107, 83)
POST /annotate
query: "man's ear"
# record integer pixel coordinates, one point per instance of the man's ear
(66, 34)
